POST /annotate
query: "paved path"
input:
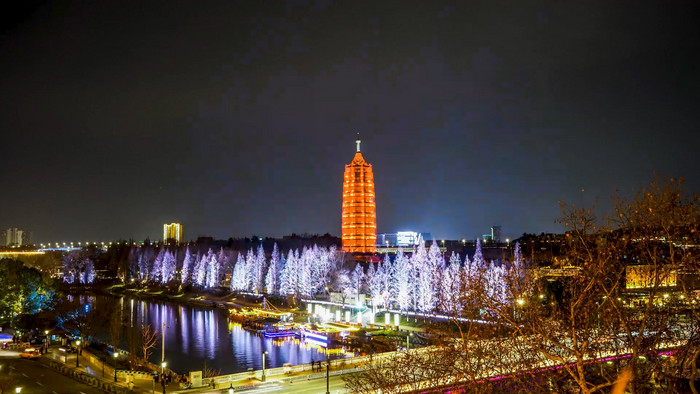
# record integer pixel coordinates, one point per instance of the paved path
(35, 377)
(95, 369)
(313, 386)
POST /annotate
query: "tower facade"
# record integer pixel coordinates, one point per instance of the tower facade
(172, 233)
(359, 231)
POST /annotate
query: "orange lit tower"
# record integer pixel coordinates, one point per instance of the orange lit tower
(359, 210)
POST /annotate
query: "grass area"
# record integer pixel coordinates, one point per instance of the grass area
(389, 333)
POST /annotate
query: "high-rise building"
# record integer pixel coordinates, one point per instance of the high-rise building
(172, 233)
(496, 234)
(13, 237)
(359, 230)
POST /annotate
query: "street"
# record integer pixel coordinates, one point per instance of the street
(35, 377)
(314, 386)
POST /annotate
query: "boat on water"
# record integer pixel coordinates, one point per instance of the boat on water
(281, 330)
(317, 335)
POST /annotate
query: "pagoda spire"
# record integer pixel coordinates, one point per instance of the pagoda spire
(358, 141)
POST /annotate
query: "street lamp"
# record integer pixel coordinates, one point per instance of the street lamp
(162, 354)
(46, 341)
(520, 302)
(162, 375)
(18, 390)
(263, 365)
(77, 352)
(115, 354)
(408, 343)
(230, 388)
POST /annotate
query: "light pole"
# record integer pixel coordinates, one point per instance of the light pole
(115, 354)
(230, 388)
(263, 365)
(162, 347)
(408, 342)
(328, 377)
(520, 302)
(77, 353)
(46, 341)
(162, 375)
(18, 390)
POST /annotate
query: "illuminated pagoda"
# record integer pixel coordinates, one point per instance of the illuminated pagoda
(359, 209)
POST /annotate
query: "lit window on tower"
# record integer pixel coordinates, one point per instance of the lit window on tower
(359, 211)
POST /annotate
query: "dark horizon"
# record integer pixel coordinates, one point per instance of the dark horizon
(238, 118)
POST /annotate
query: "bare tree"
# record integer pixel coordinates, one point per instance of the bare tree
(626, 293)
(208, 372)
(149, 339)
(115, 327)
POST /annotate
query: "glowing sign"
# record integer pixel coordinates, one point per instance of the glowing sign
(407, 238)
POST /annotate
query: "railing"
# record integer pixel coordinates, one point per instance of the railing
(339, 366)
(87, 378)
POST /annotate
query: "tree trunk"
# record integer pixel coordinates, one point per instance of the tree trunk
(694, 371)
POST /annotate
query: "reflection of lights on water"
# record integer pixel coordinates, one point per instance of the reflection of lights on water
(197, 336)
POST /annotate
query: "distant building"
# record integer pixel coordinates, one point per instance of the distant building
(496, 234)
(401, 238)
(14, 237)
(172, 233)
(359, 218)
(648, 276)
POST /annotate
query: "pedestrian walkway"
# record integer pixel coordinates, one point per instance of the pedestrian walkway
(104, 372)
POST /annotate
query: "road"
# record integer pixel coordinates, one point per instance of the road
(314, 386)
(337, 385)
(36, 377)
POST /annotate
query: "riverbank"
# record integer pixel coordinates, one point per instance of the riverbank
(222, 300)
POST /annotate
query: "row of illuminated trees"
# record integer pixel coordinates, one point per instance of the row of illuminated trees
(418, 279)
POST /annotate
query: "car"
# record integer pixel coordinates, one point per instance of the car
(30, 354)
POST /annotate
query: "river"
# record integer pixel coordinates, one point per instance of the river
(195, 336)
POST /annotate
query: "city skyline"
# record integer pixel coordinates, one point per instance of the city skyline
(236, 119)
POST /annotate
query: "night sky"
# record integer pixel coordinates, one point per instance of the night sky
(237, 118)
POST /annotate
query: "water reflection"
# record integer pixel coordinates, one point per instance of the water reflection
(195, 336)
